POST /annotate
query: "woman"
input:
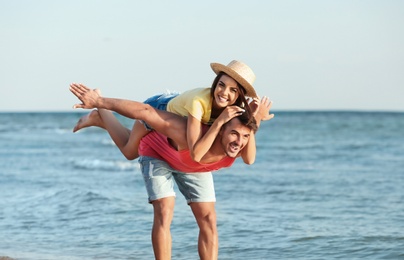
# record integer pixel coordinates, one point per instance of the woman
(201, 106)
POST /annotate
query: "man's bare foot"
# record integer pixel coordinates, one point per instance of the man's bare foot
(91, 119)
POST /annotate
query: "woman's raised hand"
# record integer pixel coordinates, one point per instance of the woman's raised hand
(88, 97)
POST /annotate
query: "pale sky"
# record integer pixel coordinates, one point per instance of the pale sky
(307, 55)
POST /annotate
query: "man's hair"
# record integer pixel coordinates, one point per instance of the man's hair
(247, 120)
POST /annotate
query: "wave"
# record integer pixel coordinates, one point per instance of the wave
(105, 165)
(44, 129)
(77, 195)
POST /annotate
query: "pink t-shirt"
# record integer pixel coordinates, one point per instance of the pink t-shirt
(157, 146)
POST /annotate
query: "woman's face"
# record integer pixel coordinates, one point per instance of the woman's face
(226, 92)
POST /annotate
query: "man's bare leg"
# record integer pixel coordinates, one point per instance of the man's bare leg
(208, 242)
(161, 234)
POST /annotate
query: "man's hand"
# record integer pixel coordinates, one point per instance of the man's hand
(88, 97)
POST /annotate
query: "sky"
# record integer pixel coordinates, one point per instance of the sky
(307, 55)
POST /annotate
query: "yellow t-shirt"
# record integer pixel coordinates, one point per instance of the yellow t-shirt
(196, 102)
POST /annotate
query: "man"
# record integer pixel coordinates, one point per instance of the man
(166, 158)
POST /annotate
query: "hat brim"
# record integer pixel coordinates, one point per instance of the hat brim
(217, 68)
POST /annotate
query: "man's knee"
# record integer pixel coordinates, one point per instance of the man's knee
(163, 211)
(205, 215)
(208, 220)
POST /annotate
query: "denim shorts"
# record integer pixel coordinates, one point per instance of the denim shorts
(159, 101)
(159, 180)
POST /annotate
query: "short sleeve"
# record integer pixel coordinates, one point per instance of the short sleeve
(195, 108)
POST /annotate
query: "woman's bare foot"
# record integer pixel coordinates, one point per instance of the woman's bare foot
(91, 119)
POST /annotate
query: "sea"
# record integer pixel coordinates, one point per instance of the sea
(325, 185)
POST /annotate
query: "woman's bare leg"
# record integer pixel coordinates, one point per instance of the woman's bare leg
(137, 133)
(91, 119)
(106, 120)
(171, 125)
(127, 140)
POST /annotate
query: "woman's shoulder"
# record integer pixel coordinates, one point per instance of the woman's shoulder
(194, 95)
(196, 92)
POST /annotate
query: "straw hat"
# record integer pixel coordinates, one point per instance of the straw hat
(240, 73)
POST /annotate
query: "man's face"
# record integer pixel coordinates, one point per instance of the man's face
(235, 136)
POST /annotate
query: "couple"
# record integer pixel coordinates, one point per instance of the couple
(167, 154)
